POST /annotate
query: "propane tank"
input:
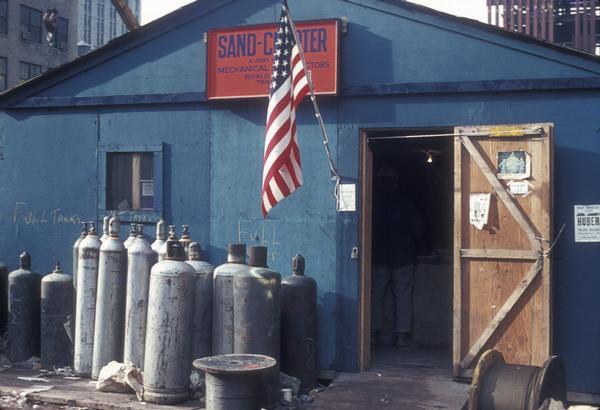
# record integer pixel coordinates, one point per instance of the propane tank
(105, 229)
(110, 303)
(299, 326)
(186, 239)
(23, 312)
(76, 252)
(140, 259)
(85, 313)
(162, 253)
(202, 339)
(132, 236)
(57, 305)
(222, 326)
(256, 314)
(160, 238)
(3, 298)
(167, 358)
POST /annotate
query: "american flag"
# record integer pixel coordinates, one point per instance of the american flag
(282, 169)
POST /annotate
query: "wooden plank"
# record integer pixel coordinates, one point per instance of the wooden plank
(457, 296)
(136, 172)
(366, 169)
(503, 194)
(499, 254)
(504, 311)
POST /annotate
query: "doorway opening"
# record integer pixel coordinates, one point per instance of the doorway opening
(411, 180)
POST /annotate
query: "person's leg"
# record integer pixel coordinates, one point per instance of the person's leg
(380, 278)
(402, 286)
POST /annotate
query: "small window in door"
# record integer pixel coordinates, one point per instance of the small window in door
(130, 181)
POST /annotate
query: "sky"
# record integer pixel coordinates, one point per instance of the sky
(475, 9)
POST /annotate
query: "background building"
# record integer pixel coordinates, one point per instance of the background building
(99, 21)
(24, 49)
(571, 23)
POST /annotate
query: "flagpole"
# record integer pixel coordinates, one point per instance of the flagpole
(334, 172)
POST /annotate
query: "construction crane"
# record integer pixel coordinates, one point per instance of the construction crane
(126, 14)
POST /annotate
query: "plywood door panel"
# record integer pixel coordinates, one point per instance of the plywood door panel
(502, 300)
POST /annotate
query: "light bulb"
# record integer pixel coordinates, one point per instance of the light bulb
(429, 158)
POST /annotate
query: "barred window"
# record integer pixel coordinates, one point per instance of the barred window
(3, 73)
(29, 70)
(31, 24)
(87, 21)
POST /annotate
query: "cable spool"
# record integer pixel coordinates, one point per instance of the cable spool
(498, 385)
(235, 381)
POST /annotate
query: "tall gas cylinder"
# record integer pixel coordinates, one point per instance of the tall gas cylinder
(299, 325)
(162, 253)
(186, 239)
(57, 306)
(167, 358)
(132, 236)
(85, 312)
(140, 259)
(3, 297)
(23, 312)
(110, 302)
(222, 326)
(256, 314)
(202, 339)
(160, 238)
(80, 238)
(105, 229)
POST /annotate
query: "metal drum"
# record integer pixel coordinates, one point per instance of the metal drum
(57, 306)
(110, 302)
(497, 385)
(3, 298)
(160, 238)
(167, 358)
(299, 325)
(140, 259)
(23, 312)
(222, 326)
(256, 313)
(202, 339)
(85, 313)
(186, 239)
(235, 381)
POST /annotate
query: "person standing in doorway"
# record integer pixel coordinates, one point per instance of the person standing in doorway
(397, 225)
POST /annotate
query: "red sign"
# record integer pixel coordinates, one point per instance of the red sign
(240, 59)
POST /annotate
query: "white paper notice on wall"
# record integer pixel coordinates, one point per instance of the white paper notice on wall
(587, 223)
(479, 209)
(346, 198)
(519, 187)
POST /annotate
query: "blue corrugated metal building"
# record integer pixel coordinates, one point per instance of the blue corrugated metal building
(402, 67)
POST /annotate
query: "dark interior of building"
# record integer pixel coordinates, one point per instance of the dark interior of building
(424, 166)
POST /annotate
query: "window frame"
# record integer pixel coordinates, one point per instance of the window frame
(29, 67)
(133, 215)
(29, 24)
(4, 18)
(4, 81)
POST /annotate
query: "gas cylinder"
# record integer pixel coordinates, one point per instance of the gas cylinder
(186, 239)
(105, 229)
(132, 236)
(202, 339)
(299, 325)
(85, 313)
(162, 253)
(160, 238)
(23, 312)
(3, 298)
(167, 358)
(222, 326)
(256, 314)
(140, 259)
(76, 252)
(110, 302)
(57, 305)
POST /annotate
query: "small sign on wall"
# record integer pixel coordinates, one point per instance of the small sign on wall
(587, 223)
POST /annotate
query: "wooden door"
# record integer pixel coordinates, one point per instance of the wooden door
(502, 287)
